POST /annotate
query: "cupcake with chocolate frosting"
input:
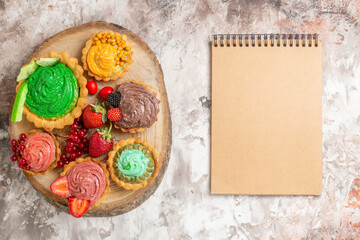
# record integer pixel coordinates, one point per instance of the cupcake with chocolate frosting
(138, 105)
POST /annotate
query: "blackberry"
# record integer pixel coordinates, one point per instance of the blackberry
(114, 99)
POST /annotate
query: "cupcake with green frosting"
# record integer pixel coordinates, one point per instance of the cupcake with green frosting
(55, 91)
(133, 163)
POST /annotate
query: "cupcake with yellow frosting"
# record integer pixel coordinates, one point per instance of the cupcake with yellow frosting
(107, 55)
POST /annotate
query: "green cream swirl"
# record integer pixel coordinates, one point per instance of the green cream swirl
(132, 163)
(53, 91)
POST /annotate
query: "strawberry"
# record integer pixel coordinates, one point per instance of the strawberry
(60, 187)
(94, 116)
(114, 114)
(78, 207)
(100, 142)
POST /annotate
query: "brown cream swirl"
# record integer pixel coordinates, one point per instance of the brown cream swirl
(86, 181)
(138, 105)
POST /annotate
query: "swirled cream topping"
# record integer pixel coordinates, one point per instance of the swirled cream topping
(139, 106)
(39, 151)
(132, 163)
(86, 181)
(100, 59)
(53, 91)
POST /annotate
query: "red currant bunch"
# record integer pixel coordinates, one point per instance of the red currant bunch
(77, 144)
(18, 147)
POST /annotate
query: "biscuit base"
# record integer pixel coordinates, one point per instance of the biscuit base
(132, 186)
(57, 154)
(103, 167)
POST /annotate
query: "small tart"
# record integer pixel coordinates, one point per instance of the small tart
(103, 167)
(140, 102)
(59, 122)
(57, 153)
(107, 56)
(143, 178)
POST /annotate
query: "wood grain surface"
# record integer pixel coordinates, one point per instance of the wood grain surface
(145, 68)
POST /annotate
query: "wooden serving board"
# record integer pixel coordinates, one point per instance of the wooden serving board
(145, 68)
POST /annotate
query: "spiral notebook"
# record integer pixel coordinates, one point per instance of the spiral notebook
(266, 125)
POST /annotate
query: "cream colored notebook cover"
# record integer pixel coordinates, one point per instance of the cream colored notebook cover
(266, 124)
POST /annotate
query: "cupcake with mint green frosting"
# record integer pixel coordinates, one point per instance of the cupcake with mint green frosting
(51, 91)
(133, 163)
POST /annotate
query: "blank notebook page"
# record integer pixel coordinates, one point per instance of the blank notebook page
(266, 124)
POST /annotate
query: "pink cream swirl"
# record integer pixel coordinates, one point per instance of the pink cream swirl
(39, 151)
(86, 181)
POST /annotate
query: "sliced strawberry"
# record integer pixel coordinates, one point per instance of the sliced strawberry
(78, 207)
(60, 187)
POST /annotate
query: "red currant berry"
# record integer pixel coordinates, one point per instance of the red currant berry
(22, 137)
(84, 140)
(22, 161)
(81, 145)
(63, 157)
(77, 120)
(74, 126)
(60, 164)
(66, 162)
(78, 154)
(70, 144)
(13, 148)
(20, 165)
(76, 139)
(75, 133)
(82, 134)
(27, 167)
(13, 158)
(86, 149)
(13, 142)
(21, 147)
(70, 136)
(73, 155)
(68, 149)
(71, 159)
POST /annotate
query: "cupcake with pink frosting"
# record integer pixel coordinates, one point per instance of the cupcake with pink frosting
(39, 153)
(84, 183)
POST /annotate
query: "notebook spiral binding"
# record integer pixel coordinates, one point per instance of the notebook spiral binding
(246, 40)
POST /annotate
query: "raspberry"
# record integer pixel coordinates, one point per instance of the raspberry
(114, 114)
